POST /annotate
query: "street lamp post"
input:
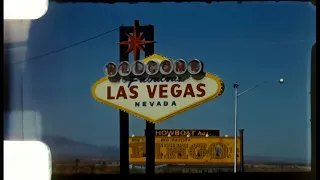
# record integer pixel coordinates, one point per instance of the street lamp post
(236, 96)
(235, 86)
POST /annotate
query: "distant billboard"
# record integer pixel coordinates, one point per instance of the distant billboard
(185, 150)
(185, 132)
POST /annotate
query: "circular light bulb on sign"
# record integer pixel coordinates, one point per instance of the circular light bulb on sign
(152, 68)
(138, 68)
(194, 66)
(166, 67)
(110, 69)
(180, 67)
(124, 68)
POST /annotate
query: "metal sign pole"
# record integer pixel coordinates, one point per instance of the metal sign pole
(124, 117)
(150, 127)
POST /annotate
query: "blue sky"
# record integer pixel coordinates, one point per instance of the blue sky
(250, 43)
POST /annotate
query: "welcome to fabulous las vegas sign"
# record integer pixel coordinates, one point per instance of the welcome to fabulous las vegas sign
(156, 88)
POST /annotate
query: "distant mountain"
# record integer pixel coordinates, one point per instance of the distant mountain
(274, 160)
(65, 149)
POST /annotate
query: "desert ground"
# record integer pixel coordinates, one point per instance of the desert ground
(113, 168)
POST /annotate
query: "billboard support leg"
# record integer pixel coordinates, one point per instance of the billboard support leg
(241, 151)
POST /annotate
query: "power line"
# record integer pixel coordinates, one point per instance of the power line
(64, 48)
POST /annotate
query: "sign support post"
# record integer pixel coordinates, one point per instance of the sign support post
(124, 117)
(241, 151)
(137, 87)
(150, 127)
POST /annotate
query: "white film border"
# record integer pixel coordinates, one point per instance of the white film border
(33, 157)
(22, 9)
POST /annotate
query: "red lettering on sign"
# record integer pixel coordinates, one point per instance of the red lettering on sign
(189, 91)
(163, 91)
(133, 91)
(201, 90)
(109, 96)
(151, 92)
(176, 92)
(121, 93)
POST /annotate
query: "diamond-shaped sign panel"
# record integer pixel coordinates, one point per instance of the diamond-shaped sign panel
(156, 101)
